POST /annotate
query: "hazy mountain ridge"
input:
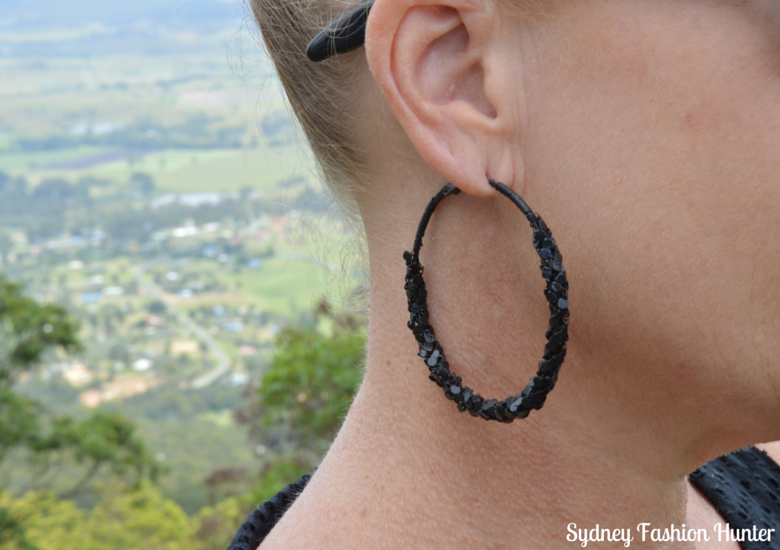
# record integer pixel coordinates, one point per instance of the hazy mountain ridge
(89, 28)
(27, 15)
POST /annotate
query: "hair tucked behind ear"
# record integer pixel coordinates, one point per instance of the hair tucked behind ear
(323, 95)
(319, 93)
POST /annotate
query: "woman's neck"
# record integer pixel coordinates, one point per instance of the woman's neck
(407, 470)
(612, 445)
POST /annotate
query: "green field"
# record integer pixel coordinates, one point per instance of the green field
(282, 286)
(27, 163)
(182, 171)
(175, 170)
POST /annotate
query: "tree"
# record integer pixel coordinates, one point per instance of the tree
(312, 379)
(309, 385)
(143, 182)
(58, 189)
(28, 329)
(19, 421)
(12, 186)
(38, 521)
(157, 307)
(303, 397)
(138, 518)
(102, 441)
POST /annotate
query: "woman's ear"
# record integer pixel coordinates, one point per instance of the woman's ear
(450, 71)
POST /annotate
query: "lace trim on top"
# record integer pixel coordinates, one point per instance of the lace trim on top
(744, 486)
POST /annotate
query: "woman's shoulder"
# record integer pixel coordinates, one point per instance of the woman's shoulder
(744, 486)
(772, 449)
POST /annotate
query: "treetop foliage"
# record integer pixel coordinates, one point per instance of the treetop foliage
(312, 379)
(28, 329)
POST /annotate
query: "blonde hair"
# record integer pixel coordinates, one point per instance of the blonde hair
(323, 97)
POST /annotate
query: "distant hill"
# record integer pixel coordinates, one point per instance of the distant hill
(26, 15)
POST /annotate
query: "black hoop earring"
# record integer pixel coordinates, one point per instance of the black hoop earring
(535, 394)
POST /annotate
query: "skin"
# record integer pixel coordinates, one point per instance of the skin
(645, 132)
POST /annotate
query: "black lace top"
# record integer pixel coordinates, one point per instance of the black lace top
(744, 486)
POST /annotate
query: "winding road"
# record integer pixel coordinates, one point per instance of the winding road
(223, 361)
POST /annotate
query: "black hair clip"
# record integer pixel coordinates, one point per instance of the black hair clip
(343, 35)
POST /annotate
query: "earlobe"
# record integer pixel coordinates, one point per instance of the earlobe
(431, 59)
